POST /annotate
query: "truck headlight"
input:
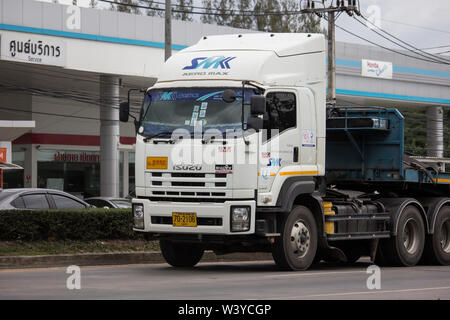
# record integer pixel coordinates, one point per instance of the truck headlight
(240, 218)
(138, 216)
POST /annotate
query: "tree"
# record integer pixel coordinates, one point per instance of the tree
(155, 6)
(218, 11)
(126, 6)
(268, 22)
(93, 3)
(223, 10)
(208, 17)
(243, 19)
(186, 7)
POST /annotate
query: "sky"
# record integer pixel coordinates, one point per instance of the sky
(421, 23)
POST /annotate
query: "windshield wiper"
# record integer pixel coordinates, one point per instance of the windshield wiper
(148, 138)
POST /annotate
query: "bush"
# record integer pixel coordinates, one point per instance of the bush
(90, 224)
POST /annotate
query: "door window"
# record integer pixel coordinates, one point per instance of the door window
(36, 201)
(281, 112)
(63, 202)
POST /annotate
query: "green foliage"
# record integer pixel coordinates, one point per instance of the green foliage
(243, 18)
(126, 6)
(92, 224)
(186, 7)
(416, 132)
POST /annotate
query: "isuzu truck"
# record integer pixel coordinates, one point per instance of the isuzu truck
(237, 151)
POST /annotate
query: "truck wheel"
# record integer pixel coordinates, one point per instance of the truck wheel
(179, 254)
(406, 248)
(437, 246)
(296, 248)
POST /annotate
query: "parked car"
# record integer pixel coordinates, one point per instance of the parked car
(109, 202)
(41, 199)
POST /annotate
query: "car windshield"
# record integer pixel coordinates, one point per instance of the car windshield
(122, 204)
(165, 110)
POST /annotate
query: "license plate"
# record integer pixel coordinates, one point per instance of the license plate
(157, 163)
(184, 219)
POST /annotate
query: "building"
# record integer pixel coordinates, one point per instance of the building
(67, 68)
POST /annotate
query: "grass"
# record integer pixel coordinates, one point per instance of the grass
(27, 248)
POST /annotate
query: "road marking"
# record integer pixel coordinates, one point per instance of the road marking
(314, 274)
(359, 293)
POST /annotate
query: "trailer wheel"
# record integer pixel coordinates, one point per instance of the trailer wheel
(437, 246)
(179, 254)
(406, 248)
(296, 248)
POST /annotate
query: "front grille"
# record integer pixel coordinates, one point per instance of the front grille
(187, 175)
(189, 184)
(182, 193)
(186, 199)
(201, 221)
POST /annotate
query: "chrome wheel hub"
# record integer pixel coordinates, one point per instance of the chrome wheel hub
(410, 236)
(300, 240)
(445, 236)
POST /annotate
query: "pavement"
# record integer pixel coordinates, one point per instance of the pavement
(116, 258)
(230, 280)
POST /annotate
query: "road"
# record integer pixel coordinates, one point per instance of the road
(227, 280)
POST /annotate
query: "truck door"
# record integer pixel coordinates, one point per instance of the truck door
(307, 121)
(280, 140)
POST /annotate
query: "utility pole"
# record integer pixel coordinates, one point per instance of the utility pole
(331, 94)
(338, 6)
(168, 31)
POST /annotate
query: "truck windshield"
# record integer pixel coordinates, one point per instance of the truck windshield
(165, 110)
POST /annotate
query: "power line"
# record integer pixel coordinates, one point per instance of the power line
(386, 48)
(439, 47)
(235, 12)
(47, 113)
(424, 54)
(415, 26)
(69, 95)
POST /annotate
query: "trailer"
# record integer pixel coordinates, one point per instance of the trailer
(237, 151)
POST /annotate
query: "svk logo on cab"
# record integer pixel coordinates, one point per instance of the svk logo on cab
(211, 62)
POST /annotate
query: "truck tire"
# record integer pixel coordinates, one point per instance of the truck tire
(296, 248)
(179, 254)
(406, 248)
(437, 245)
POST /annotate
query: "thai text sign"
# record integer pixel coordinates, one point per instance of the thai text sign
(33, 49)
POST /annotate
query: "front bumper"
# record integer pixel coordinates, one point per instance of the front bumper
(158, 215)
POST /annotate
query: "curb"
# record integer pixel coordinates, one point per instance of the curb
(97, 259)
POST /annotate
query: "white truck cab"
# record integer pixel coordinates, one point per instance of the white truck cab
(232, 129)
(230, 156)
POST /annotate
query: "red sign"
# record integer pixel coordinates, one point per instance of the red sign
(76, 157)
(2, 154)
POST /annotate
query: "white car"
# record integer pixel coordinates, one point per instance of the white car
(39, 199)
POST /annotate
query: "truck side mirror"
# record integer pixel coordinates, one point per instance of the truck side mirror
(255, 122)
(257, 105)
(124, 111)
